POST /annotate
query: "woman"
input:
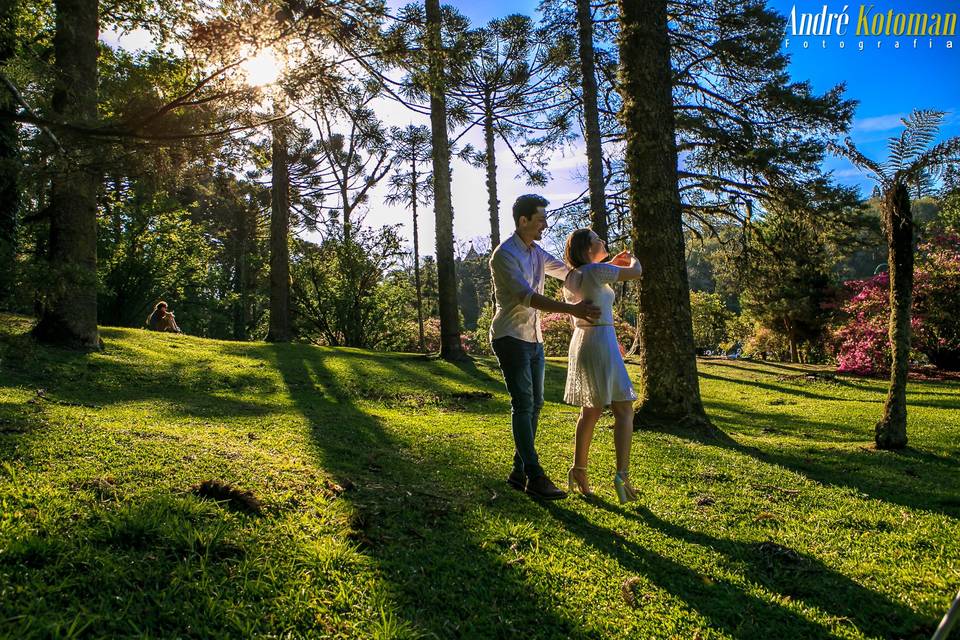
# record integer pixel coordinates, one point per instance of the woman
(162, 320)
(596, 375)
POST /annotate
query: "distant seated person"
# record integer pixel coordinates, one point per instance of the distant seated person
(162, 320)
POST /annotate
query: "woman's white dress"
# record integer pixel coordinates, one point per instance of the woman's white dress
(596, 375)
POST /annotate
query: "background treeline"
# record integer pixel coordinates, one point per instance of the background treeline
(181, 174)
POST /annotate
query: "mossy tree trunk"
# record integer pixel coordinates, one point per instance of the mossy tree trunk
(891, 430)
(450, 345)
(669, 389)
(68, 314)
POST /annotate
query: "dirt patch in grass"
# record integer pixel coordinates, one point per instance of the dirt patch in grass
(232, 497)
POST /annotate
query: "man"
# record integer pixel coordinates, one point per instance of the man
(517, 267)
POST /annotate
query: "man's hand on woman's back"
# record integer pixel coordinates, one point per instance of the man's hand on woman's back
(585, 310)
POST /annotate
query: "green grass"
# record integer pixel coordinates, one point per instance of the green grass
(385, 515)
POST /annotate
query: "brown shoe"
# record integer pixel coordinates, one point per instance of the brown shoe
(517, 480)
(542, 487)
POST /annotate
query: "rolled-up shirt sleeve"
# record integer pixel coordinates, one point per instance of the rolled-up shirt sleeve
(554, 266)
(508, 278)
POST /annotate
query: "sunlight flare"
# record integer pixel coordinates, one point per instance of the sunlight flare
(262, 69)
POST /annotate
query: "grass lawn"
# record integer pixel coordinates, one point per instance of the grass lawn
(383, 512)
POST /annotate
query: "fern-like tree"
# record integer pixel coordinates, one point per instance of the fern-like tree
(911, 156)
(411, 185)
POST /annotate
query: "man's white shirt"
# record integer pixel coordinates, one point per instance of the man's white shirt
(518, 272)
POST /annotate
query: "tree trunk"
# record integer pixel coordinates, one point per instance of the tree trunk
(669, 388)
(416, 253)
(279, 235)
(69, 314)
(792, 344)
(591, 122)
(891, 431)
(240, 275)
(450, 346)
(9, 160)
(347, 209)
(493, 202)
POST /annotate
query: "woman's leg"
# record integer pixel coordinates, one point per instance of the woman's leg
(581, 448)
(622, 439)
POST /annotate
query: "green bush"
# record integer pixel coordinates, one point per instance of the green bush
(710, 320)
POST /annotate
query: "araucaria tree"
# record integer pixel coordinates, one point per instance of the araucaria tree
(591, 119)
(669, 389)
(10, 162)
(511, 88)
(910, 157)
(279, 330)
(450, 344)
(411, 185)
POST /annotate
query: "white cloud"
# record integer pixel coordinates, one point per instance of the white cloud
(135, 40)
(848, 173)
(878, 123)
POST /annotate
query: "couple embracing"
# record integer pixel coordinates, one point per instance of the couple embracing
(596, 375)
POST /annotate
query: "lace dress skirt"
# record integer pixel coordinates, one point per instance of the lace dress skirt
(596, 375)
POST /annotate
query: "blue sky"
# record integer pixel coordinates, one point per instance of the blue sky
(887, 82)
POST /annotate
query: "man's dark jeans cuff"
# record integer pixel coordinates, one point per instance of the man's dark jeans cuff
(533, 472)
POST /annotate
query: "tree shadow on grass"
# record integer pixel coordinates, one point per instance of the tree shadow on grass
(470, 368)
(448, 583)
(911, 478)
(758, 366)
(778, 569)
(724, 605)
(19, 423)
(784, 389)
(412, 502)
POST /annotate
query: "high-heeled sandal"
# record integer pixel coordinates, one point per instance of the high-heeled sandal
(625, 492)
(574, 485)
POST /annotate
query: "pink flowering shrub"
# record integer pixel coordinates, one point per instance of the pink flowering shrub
(558, 330)
(410, 336)
(862, 342)
(937, 302)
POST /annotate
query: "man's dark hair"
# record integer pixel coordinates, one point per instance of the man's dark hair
(526, 205)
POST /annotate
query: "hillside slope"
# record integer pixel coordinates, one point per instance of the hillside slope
(377, 507)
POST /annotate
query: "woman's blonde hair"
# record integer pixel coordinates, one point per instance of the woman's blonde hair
(577, 252)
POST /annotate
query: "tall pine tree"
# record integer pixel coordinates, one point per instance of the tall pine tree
(69, 313)
(669, 389)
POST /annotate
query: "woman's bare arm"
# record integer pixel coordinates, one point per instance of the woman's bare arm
(631, 271)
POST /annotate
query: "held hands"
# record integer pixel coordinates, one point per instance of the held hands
(622, 259)
(585, 311)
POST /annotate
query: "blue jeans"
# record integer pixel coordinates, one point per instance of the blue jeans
(522, 365)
